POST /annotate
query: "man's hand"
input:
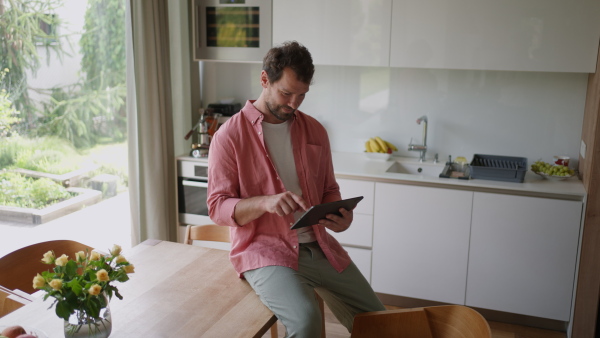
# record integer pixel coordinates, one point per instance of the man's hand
(336, 223)
(285, 203)
(249, 209)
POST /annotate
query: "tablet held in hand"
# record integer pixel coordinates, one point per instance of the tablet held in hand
(317, 212)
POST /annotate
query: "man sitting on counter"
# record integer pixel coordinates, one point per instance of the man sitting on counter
(268, 164)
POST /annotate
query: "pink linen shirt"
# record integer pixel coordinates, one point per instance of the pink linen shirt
(240, 167)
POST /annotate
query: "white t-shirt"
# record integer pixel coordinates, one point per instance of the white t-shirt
(278, 141)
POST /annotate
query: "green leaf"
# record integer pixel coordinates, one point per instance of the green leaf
(91, 274)
(123, 278)
(75, 287)
(93, 307)
(71, 269)
(63, 310)
(102, 301)
(109, 291)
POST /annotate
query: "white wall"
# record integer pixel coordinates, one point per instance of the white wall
(529, 114)
(54, 72)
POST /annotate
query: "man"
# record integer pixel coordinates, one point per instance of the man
(268, 164)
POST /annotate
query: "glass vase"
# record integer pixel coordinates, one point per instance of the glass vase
(80, 324)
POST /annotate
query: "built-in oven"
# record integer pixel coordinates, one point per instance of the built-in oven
(192, 191)
(231, 30)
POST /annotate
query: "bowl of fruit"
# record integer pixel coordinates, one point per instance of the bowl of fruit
(378, 149)
(17, 331)
(551, 171)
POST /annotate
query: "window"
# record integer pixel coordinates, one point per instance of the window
(48, 25)
(63, 125)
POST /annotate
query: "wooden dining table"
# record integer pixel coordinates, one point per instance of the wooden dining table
(177, 290)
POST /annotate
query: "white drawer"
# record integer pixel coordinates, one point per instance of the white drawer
(352, 188)
(360, 232)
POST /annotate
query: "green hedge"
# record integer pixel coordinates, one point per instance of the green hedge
(19, 191)
(46, 154)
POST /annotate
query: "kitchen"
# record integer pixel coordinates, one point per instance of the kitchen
(506, 111)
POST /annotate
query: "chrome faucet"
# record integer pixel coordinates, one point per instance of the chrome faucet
(422, 148)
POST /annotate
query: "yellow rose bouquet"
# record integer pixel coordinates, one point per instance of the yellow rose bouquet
(80, 284)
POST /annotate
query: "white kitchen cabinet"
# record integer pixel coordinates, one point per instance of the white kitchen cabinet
(360, 233)
(354, 188)
(523, 254)
(358, 239)
(337, 32)
(362, 260)
(421, 242)
(535, 35)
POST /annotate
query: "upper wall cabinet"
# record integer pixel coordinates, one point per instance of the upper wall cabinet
(533, 35)
(337, 32)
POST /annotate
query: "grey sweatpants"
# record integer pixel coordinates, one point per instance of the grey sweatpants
(290, 294)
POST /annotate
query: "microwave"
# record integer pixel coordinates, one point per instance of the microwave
(232, 30)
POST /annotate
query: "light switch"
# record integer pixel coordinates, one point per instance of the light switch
(583, 149)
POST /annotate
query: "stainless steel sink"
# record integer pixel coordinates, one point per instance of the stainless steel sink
(416, 168)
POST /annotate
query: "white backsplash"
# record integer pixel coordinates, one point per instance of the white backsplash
(529, 114)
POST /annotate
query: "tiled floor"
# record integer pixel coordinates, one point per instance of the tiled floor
(100, 226)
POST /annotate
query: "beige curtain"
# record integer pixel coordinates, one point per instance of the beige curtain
(151, 162)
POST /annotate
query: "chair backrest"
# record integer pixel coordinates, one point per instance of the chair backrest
(457, 321)
(18, 268)
(447, 321)
(209, 232)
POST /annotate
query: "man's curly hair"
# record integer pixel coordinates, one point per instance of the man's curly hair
(289, 54)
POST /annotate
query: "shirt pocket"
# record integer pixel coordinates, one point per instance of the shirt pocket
(313, 161)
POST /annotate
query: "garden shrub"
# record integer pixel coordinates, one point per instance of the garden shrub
(45, 154)
(8, 151)
(9, 116)
(24, 192)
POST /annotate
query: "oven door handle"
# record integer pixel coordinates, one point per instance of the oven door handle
(194, 184)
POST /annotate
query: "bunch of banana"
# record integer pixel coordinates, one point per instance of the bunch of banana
(378, 145)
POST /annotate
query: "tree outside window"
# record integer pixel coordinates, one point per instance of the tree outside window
(67, 119)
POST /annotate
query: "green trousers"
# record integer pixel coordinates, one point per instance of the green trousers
(290, 294)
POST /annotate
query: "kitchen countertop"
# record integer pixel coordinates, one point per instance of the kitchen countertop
(191, 158)
(357, 166)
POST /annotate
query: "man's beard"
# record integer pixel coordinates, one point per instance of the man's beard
(279, 113)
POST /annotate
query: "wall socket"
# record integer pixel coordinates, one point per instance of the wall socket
(583, 149)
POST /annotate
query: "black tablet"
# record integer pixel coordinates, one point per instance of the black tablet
(317, 212)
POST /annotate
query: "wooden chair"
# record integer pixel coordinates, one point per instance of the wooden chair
(210, 232)
(11, 301)
(447, 321)
(216, 233)
(18, 268)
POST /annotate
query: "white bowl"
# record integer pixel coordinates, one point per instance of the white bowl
(378, 156)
